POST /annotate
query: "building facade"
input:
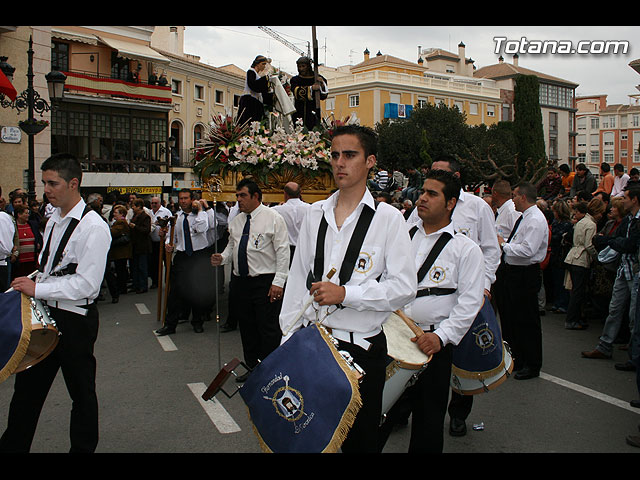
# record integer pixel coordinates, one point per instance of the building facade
(557, 105)
(387, 87)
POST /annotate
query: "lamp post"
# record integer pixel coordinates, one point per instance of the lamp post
(31, 101)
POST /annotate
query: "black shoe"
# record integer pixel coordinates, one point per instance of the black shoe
(226, 328)
(114, 300)
(635, 404)
(166, 330)
(457, 427)
(526, 373)
(242, 378)
(198, 328)
(625, 367)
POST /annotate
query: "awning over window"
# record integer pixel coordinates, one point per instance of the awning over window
(74, 36)
(134, 51)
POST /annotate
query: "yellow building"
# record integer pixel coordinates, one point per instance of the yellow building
(385, 86)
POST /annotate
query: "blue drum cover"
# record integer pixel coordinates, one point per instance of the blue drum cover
(302, 398)
(15, 331)
(479, 354)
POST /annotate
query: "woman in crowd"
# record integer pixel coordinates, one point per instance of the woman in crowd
(579, 260)
(119, 254)
(140, 226)
(29, 243)
(561, 227)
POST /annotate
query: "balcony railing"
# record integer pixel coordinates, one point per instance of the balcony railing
(95, 84)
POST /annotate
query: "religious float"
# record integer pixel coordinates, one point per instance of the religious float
(273, 152)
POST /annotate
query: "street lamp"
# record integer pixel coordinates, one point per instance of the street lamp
(31, 101)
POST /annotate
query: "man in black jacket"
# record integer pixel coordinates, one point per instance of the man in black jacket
(626, 242)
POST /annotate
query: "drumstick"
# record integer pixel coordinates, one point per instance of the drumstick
(308, 302)
(30, 277)
(410, 323)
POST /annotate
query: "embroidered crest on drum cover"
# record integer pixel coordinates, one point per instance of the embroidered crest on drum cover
(288, 403)
(364, 263)
(437, 274)
(484, 338)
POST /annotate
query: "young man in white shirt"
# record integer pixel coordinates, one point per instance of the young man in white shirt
(620, 180)
(518, 307)
(449, 297)
(188, 289)
(358, 299)
(259, 249)
(69, 285)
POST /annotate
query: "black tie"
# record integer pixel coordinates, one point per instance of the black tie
(188, 247)
(243, 264)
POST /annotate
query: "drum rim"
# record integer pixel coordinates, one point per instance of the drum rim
(484, 374)
(499, 378)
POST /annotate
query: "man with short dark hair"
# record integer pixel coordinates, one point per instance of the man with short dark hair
(606, 180)
(518, 308)
(359, 298)
(259, 249)
(68, 284)
(190, 244)
(444, 309)
(620, 180)
(584, 181)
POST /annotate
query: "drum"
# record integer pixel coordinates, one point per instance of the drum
(44, 336)
(482, 360)
(406, 360)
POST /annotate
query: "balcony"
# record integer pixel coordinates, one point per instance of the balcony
(111, 87)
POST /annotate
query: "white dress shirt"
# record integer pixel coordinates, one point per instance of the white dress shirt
(268, 247)
(506, 219)
(368, 302)
(198, 226)
(293, 212)
(529, 244)
(162, 212)
(474, 218)
(87, 247)
(7, 232)
(619, 183)
(460, 265)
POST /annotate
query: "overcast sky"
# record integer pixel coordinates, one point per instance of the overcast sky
(607, 73)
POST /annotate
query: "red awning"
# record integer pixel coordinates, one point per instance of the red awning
(6, 87)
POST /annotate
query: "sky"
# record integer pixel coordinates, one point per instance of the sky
(598, 72)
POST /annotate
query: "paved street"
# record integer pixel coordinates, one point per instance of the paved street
(149, 391)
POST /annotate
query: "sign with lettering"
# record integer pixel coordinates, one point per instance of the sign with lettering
(10, 135)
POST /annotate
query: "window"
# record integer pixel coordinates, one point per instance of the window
(636, 120)
(473, 109)
(236, 100)
(219, 97)
(582, 123)
(553, 122)
(176, 86)
(60, 56)
(330, 104)
(354, 100)
(459, 105)
(198, 92)
(595, 123)
(582, 140)
(595, 156)
(491, 110)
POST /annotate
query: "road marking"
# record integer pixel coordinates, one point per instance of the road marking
(142, 308)
(592, 393)
(217, 413)
(166, 343)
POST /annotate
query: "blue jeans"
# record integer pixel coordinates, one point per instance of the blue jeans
(623, 290)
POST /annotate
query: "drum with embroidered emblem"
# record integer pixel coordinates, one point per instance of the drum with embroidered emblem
(27, 333)
(304, 396)
(482, 360)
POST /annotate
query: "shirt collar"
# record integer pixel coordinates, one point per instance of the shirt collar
(75, 212)
(447, 228)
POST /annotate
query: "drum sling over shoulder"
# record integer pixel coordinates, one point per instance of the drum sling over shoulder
(433, 254)
(353, 249)
(69, 269)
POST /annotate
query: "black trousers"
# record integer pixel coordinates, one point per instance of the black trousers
(258, 317)
(426, 401)
(517, 301)
(362, 438)
(74, 356)
(578, 297)
(191, 288)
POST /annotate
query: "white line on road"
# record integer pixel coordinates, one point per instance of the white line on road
(592, 393)
(217, 413)
(142, 309)
(166, 343)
